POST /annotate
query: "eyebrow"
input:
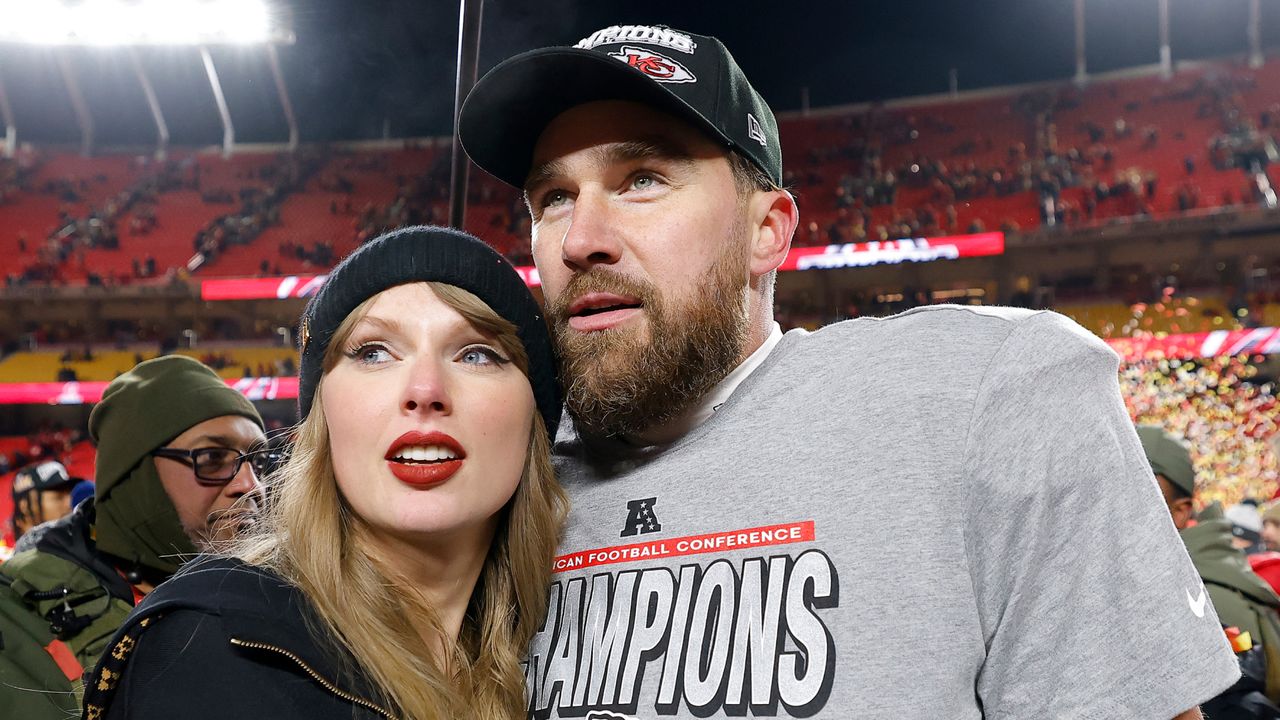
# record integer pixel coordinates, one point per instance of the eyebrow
(457, 324)
(226, 441)
(386, 324)
(653, 147)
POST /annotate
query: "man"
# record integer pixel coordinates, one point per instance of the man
(40, 492)
(173, 477)
(1241, 598)
(1246, 527)
(735, 545)
(1271, 526)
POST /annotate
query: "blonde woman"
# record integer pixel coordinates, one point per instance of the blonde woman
(401, 564)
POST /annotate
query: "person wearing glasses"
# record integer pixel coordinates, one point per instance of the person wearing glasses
(174, 476)
(400, 566)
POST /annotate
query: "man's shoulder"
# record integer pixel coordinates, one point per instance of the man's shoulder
(944, 323)
(37, 568)
(955, 329)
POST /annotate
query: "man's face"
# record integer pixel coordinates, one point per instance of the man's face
(1271, 534)
(51, 505)
(213, 513)
(1180, 508)
(640, 238)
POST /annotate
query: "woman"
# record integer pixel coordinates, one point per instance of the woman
(401, 564)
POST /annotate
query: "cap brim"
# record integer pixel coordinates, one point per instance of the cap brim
(509, 108)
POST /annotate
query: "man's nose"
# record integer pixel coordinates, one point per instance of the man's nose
(245, 481)
(592, 237)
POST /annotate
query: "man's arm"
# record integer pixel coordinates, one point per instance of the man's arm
(1192, 714)
(1084, 590)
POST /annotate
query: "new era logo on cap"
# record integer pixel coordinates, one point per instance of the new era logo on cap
(754, 131)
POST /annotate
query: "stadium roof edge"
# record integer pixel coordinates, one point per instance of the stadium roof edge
(995, 92)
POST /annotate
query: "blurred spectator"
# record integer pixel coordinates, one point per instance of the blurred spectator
(1246, 527)
(1271, 527)
(1241, 599)
(40, 493)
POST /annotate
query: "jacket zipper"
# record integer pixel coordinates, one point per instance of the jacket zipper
(316, 676)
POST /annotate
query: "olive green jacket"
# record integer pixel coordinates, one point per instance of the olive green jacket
(1241, 598)
(60, 603)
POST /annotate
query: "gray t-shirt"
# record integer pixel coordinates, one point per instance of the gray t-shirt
(943, 514)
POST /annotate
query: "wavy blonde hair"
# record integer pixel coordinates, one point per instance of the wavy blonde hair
(310, 536)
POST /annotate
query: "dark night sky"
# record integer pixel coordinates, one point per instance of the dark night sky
(359, 63)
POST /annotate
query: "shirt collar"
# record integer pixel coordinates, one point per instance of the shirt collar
(693, 417)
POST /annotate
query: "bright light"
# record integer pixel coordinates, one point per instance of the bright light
(141, 22)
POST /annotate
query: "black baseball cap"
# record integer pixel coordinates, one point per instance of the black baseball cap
(690, 76)
(50, 475)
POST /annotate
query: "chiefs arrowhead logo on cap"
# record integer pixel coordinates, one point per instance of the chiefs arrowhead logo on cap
(655, 65)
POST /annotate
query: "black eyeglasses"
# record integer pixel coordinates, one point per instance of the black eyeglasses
(218, 466)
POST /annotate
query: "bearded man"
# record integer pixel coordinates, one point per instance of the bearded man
(739, 541)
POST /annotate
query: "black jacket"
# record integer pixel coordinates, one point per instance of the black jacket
(224, 639)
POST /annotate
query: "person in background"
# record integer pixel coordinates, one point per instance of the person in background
(1246, 527)
(173, 476)
(1242, 599)
(40, 493)
(1271, 526)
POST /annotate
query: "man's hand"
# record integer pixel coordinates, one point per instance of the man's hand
(1192, 714)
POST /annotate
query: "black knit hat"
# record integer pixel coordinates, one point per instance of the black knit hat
(428, 254)
(690, 76)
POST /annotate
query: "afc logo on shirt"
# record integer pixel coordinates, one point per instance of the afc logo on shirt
(640, 518)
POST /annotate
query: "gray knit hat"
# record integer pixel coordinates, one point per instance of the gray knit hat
(428, 254)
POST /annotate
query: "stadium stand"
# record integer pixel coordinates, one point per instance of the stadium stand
(1015, 159)
(52, 365)
(1032, 161)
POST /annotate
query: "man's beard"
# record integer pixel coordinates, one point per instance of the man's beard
(617, 382)
(222, 527)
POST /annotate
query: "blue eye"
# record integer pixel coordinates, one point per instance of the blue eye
(369, 354)
(554, 197)
(481, 355)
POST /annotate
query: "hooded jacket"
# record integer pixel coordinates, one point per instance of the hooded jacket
(1241, 598)
(224, 639)
(60, 602)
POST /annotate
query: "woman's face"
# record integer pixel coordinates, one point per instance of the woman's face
(429, 421)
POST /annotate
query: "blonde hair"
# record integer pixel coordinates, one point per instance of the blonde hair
(310, 536)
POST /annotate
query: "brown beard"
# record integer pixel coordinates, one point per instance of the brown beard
(619, 382)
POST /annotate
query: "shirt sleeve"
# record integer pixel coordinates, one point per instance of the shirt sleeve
(1089, 605)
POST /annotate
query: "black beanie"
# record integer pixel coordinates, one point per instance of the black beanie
(428, 254)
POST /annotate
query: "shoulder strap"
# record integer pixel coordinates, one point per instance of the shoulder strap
(100, 688)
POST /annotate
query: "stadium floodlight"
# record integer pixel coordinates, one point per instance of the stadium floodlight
(143, 22)
(133, 23)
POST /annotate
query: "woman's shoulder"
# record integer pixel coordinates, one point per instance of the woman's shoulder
(220, 585)
(210, 618)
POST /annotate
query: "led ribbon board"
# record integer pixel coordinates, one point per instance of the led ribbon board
(810, 258)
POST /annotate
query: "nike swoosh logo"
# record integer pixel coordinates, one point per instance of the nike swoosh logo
(1197, 603)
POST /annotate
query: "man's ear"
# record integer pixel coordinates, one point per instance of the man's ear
(774, 217)
(1182, 510)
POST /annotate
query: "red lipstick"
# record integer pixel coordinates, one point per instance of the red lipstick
(424, 473)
